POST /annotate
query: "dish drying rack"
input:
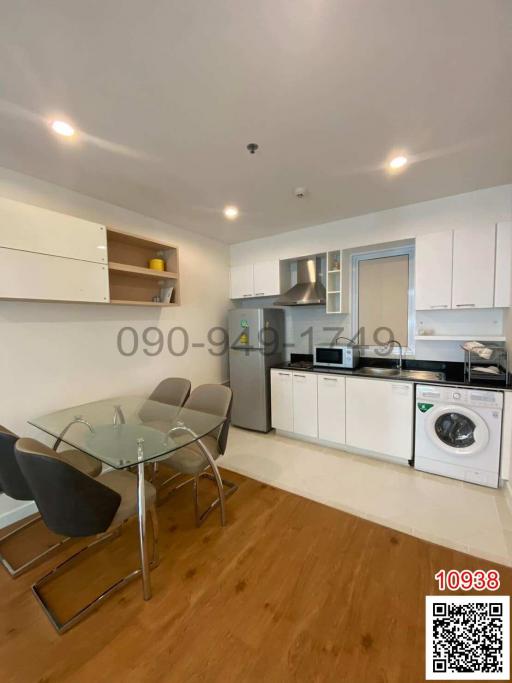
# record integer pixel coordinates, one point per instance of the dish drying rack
(499, 358)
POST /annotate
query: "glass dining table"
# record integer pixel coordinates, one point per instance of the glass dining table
(130, 431)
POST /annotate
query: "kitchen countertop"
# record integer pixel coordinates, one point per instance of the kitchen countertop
(454, 373)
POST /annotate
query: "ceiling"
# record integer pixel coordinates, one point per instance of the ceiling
(167, 94)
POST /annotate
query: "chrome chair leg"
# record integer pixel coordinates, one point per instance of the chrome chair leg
(225, 489)
(195, 485)
(179, 486)
(153, 472)
(62, 627)
(170, 479)
(14, 572)
(218, 479)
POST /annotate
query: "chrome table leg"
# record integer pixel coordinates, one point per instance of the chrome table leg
(143, 541)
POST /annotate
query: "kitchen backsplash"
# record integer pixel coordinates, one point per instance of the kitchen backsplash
(306, 326)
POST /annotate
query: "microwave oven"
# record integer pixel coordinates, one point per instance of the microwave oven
(336, 356)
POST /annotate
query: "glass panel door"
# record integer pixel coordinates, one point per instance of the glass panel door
(455, 430)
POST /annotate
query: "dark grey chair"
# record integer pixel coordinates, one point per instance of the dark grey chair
(199, 458)
(77, 505)
(13, 484)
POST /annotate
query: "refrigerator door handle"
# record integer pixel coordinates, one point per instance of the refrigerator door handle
(247, 348)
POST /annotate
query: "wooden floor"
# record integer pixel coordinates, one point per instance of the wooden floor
(290, 590)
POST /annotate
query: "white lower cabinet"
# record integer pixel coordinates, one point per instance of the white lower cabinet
(305, 416)
(368, 414)
(294, 402)
(331, 408)
(281, 385)
(379, 416)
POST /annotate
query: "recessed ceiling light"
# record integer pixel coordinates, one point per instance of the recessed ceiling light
(231, 212)
(62, 128)
(398, 162)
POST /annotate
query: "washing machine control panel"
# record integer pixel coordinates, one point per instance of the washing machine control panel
(462, 395)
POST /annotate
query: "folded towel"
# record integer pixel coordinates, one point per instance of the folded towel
(489, 369)
(479, 349)
(472, 346)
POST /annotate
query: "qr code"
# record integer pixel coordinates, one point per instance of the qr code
(467, 638)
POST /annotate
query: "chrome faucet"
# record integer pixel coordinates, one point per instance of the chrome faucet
(401, 353)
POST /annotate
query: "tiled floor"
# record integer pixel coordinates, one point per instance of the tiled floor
(463, 516)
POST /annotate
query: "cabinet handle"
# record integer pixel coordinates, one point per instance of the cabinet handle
(259, 294)
(440, 306)
(329, 379)
(284, 374)
(301, 376)
(464, 305)
(247, 295)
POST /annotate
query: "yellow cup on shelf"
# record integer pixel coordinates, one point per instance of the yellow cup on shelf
(157, 264)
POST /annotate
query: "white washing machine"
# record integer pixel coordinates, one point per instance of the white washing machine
(458, 433)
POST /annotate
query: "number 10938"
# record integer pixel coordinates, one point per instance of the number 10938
(466, 580)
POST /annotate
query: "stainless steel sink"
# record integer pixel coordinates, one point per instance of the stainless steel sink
(415, 375)
(379, 372)
(422, 375)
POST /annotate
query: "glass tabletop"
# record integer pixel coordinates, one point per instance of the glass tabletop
(126, 430)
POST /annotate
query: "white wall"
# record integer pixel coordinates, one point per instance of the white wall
(57, 355)
(471, 210)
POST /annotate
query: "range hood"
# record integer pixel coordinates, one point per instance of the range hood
(308, 291)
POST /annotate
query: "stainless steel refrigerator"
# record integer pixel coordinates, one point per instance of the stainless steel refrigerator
(256, 339)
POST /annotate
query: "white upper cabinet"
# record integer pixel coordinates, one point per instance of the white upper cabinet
(465, 268)
(503, 279)
(41, 277)
(434, 253)
(242, 281)
(474, 254)
(30, 228)
(255, 279)
(48, 256)
(266, 278)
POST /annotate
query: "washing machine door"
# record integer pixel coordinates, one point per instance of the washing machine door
(457, 430)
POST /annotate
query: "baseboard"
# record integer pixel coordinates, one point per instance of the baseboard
(15, 515)
(343, 447)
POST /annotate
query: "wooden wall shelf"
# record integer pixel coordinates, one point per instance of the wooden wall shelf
(137, 271)
(141, 303)
(132, 282)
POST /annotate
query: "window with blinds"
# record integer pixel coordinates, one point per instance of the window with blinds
(383, 305)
